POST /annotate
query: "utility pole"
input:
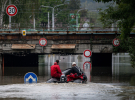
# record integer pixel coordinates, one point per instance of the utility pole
(34, 22)
(9, 16)
(48, 22)
(53, 18)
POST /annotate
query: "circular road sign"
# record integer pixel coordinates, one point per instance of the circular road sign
(11, 10)
(30, 77)
(73, 16)
(42, 42)
(116, 42)
(87, 66)
(87, 53)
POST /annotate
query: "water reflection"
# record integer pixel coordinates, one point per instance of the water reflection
(119, 86)
(122, 72)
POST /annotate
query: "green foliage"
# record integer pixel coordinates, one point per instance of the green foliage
(123, 47)
(132, 50)
(74, 4)
(94, 19)
(25, 9)
(29, 9)
(60, 12)
(123, 14)
(92, 5)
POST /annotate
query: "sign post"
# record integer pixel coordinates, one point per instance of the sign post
(87, 69)
(11, 10)
(42, 42)
(87, 66)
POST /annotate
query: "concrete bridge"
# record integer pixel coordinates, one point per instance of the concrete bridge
(14, 44)
(57, 41)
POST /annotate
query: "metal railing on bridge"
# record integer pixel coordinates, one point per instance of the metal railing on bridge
(61, 30)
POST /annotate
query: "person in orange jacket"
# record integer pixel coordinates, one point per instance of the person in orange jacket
(55, 70)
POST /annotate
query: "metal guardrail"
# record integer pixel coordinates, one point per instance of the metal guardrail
(67, 30)
(58, 31)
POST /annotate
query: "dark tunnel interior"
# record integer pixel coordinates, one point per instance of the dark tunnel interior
(102, 64)
(19, 60)
(20, 64)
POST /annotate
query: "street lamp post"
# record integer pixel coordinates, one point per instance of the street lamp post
(77, 18)
(52, 13)
(48, 22)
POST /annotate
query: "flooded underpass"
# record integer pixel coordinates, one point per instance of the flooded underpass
(112, 84)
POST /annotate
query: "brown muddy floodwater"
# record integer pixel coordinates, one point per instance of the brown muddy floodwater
(104, 82)
(98, 87)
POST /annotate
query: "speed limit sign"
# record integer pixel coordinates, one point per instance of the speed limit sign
(11, 10)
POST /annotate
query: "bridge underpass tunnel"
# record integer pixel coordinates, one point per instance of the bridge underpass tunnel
(20, 64)
(102, 64)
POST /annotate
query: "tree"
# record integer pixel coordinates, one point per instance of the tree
(123, 14)
(60, 12)
(25, 9)
(3, 7)
(74, 5)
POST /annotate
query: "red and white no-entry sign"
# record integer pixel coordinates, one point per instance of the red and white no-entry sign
(42, 42)
(116, 42)
(87, 53)
(11, 10)
(87, 66)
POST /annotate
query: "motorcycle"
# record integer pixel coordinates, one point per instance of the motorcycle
(69, 78)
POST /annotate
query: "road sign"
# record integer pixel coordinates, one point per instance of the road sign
(85, 25)
(116, 42)
(30, 77)
(24, 32)
(11, 10)
(87, 66)
(87, 53)
(42, 42)
(73, 16)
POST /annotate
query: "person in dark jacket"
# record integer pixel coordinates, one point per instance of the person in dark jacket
(55, 70)
(75, 73)
(75, 69)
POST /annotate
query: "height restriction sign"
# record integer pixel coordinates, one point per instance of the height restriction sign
(42, 42)
(11, 10)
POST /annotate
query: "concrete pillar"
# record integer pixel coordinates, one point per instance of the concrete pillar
(49, 56)
(0, 65)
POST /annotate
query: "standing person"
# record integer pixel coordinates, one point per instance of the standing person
(55, 70)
